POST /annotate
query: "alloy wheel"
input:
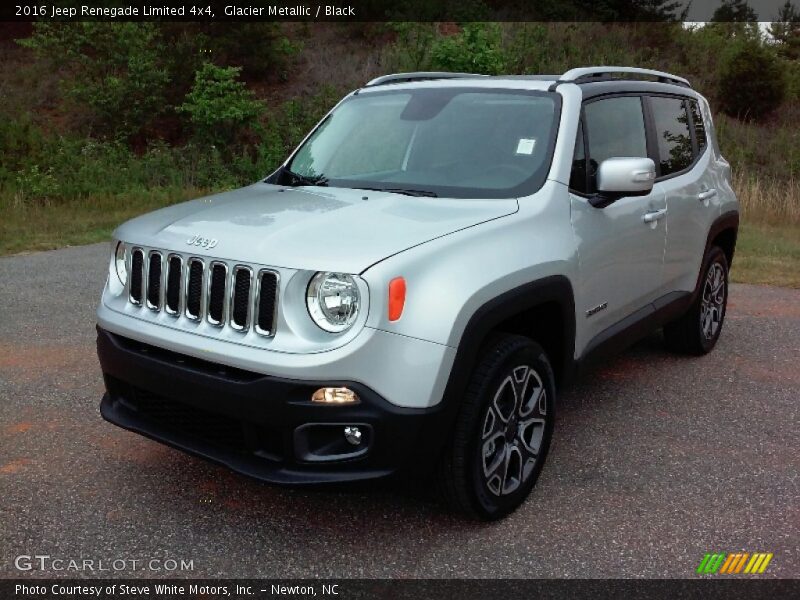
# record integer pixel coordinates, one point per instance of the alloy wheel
(712, 303)
(513, 430)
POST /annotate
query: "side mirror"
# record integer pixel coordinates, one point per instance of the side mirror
(619, 177)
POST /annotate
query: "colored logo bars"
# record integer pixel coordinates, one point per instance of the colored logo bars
(733, 563)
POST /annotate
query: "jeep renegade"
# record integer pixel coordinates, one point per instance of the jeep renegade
(408, 292)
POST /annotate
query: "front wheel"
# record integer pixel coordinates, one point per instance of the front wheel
(697, 331)
(503, 430)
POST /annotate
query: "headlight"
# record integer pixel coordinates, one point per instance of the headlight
(120, 264)
(333, 301)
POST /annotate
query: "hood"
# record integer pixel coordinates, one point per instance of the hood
(321, 229)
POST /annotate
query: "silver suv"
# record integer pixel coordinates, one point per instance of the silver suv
(408, 292)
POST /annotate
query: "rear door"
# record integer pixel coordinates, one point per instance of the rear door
(620, 254)
(682, 161)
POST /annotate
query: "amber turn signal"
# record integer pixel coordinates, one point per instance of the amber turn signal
(397, 298)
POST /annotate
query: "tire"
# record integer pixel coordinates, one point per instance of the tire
(698, 330)
(502, 432)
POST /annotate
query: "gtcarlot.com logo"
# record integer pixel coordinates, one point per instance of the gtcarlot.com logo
(45, 562)
(734, 563)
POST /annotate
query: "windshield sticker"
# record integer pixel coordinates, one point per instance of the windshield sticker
(526, 146)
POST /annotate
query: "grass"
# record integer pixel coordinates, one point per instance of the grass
(767, 255)
(25, 228)
(768, 245)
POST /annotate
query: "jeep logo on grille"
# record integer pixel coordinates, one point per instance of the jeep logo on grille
(197, 240)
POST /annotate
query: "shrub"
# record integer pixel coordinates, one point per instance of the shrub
(35, 185)
(219, 107)
(476, 49)
(750, 81)
(260, 49)
(118, 71)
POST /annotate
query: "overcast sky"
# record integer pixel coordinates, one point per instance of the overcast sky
(767, 10)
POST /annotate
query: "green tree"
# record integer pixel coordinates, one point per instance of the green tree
(260, 48)
(750, 81)
(736, 18)
(734, 11)
(476, 49)
(118, 71)
(786, 31)
(219, 107)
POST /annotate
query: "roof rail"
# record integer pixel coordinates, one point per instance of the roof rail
(418, 76)
(587, 74)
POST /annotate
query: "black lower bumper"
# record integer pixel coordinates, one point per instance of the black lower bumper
(262, 426)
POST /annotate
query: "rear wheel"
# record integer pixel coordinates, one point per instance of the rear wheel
(503, 430)
(697, 331)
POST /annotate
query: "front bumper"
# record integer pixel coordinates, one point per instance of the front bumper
(262, 426)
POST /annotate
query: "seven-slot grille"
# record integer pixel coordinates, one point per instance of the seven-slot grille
(237, 297)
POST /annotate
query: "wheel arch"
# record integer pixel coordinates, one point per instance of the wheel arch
(723, 233)
(543, 310)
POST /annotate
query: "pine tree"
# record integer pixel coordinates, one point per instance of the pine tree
(786, 31)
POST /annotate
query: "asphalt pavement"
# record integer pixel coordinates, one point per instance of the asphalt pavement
(657, 459)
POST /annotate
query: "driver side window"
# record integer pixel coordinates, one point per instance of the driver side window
(614, 128)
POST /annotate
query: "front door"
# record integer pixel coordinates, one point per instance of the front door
(620, 247)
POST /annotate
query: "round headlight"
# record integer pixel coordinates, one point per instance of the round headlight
(333, 301)
(119, 263)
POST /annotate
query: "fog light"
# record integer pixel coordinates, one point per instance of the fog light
(352, 435)
(334, 395)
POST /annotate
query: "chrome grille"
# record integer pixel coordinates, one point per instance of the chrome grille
(216, 293)
(221, 294)
(137, 275)
(240, 297)
(266, 305)
(154, 281)
(194, 289)
(172, 302)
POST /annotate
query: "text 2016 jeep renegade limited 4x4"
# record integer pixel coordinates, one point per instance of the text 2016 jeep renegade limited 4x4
(409, 290)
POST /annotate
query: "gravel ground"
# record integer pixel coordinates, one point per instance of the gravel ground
(656, 460)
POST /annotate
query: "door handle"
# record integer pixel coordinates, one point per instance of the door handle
(652, 217)
(706, 195)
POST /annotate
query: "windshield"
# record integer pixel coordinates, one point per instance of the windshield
(455, 142)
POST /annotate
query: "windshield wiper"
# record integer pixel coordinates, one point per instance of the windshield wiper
(297, 179)
(404, 191)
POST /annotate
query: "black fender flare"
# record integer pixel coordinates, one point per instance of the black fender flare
(553, 289)
(727, 220)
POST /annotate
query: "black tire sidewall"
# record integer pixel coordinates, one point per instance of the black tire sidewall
(486, 504)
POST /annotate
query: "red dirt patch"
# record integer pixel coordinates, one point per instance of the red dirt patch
(19, 427)
(14, 466)
(29, 363)
(758, 305)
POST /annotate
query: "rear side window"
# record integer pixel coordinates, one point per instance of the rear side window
(699, 126)
(672, 134)
(614, 128)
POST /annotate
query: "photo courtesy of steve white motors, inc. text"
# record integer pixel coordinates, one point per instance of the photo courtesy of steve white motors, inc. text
(188, 10)
(172, 590)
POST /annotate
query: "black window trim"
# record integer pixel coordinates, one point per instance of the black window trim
(582, 123)
(696, 145)
(651, 133)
